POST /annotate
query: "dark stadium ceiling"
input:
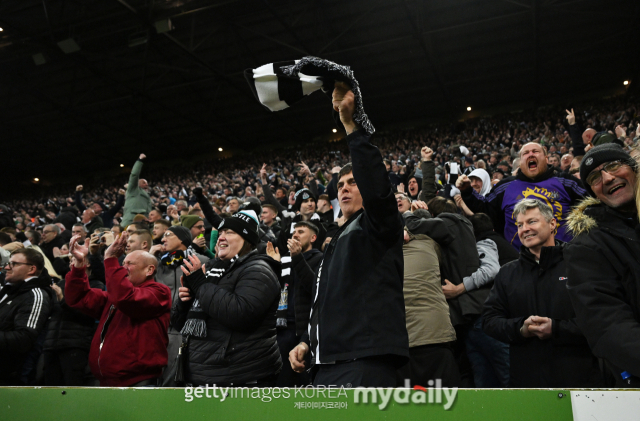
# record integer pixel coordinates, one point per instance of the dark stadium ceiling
(89, 84)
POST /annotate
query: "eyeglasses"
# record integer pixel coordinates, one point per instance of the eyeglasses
(595, 177)
(47, 231)
(168, 234)
(14, 264)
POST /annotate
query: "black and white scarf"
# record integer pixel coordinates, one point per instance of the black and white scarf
(196, 324)
(279, 85)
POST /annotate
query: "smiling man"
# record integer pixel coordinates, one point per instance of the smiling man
(529, 309)
(603, 266)
(357, 334)
(534, 180)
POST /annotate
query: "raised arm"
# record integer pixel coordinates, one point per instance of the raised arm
(575, 131)
(428, 175)
(133, 187)
(369, 171)
(78, 292)
(78, 199)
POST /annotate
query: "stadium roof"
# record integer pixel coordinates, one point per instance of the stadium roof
(90, 84)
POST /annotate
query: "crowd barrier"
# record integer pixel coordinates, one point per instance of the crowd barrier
(119, 404)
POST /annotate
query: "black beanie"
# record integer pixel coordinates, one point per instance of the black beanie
(182, 233)
(600, 155)
(303, 194)
(243, 223)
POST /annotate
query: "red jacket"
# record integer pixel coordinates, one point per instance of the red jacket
(135, 343)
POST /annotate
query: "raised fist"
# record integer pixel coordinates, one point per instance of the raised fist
(426, 153)
(463, 182)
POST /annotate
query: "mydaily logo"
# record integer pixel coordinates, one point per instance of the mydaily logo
(418, 395)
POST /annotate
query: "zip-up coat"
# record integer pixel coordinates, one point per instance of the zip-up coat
(24, 310)
(603, 263)
(69, 328)
(130, 344)
(358, 309)
(525, 288)
(240, 309)
(559, 192)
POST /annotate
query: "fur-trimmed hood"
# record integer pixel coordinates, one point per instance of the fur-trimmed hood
(578, 221)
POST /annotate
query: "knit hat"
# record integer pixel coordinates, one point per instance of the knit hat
(602, 154)
(182, 233)
(188, 221)
(243, 223)
(303, 194)
(252, 203)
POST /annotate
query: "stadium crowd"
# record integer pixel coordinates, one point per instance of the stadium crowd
(494, 252)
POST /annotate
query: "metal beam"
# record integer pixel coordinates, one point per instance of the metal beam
(288, 28)
(426, 50)
(348, 28)
(535, 22)
(429, 31)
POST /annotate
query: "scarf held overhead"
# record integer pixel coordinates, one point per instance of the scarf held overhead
(279, 85)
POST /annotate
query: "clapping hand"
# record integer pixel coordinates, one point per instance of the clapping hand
(273, 253)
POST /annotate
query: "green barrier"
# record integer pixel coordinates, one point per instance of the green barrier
(119, 404)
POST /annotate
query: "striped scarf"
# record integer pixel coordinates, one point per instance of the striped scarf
(279, 85)
(196, 324)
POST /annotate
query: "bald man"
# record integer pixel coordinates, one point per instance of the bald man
(137, 200)
(91, 221)
(593, 138)
(129, 347)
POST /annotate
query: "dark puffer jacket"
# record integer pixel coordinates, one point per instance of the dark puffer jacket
(69, 328)
(241, 307)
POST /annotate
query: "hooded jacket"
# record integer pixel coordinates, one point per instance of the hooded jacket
(604, 285)
(524, 288)
(240, 345)
(130, 343)
(24, 310)
(557, 191)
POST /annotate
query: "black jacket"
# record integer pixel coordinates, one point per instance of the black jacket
(47, 248)
(24, 311)
(525, 288)
(241, 324)
(359, 308)
(67, 217)
(454, 234)
(305, 266)
(69, 328)
(604, 285)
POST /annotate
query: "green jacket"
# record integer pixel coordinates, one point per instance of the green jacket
(136, 200)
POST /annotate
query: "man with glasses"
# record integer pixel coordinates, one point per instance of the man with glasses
(175, 242)
(25, 304)
(50, 240)
(603, 262)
